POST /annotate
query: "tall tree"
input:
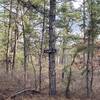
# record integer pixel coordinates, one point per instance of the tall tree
(52, 40)
(8, 38)
(41, 47)
(15, 39)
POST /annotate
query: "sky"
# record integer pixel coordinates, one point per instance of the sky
(77, 3)
(75, 27)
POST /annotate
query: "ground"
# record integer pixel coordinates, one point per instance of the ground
(10, 85)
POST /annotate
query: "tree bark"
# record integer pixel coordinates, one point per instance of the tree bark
(8, 41)
(41, 49)
(68, 84)
(52, 40)
(25, 52)
(15, 42)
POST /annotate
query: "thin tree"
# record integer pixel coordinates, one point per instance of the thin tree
(15, 40)
(8, 38)
(41, 48)
(92, 15)
(25, 51)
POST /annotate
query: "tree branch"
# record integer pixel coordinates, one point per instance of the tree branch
(24, 91)
(31, 6)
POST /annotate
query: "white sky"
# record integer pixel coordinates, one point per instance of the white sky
(77, 3)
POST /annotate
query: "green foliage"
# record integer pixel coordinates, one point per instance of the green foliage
(78, 49)
(37, 2)
(66, 70)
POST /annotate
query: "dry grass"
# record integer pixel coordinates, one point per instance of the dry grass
(9, 86)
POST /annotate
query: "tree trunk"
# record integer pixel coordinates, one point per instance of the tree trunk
(35, 79)
(25, 52)
(52, 40)
(68, 84)
(15, 41)
(8, 35)
(92, 43)
(41, 48)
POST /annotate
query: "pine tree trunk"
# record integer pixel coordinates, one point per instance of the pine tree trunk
(52, 71)
(41, 49)
(8, 41)
(25, 52)
(68, 84)
(15, 42)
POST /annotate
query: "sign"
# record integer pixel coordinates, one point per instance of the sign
(50, 50)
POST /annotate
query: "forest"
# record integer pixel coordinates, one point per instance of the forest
(49, 49)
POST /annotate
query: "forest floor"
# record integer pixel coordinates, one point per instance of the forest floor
(9, 86)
